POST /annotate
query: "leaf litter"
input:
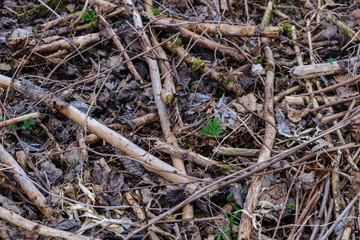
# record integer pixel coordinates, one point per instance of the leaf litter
(213, 95)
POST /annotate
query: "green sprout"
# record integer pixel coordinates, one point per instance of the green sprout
(89, 16)
(74, 164)
(212, 128)
(155, 11)
(27, 124)
(332, 59)
(291, 207)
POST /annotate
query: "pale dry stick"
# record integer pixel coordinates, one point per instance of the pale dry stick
(327, 218)
(169, 89)
(322, 209)
(66, 44)
(340, 217)
(178, 163)
(120, 47)
(338, 115)
(234, 177)
(37, 228)
(227, 30)
(243, 152)
(245, 226)
(19, 119)
(150, 162)
(28, 187)
(288, 91)
(305, 100)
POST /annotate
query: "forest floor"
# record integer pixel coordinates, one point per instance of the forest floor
(173, 119)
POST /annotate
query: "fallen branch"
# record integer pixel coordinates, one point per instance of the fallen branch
(38, 228)
(243, 152)
(19, 119)
(226, 30)
(323, 69)
(150, 162)
(245, 225)
(28, 187)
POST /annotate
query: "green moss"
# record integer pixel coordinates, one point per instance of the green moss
(19, 10)
(287, 29)
(176, 43)
(229, 80)
(197, 64)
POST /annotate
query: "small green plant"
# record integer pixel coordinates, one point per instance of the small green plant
(159, 63)
(155, 11)
(221, 235)
(291, 207)
(27, 124)
(89, 15)
(212, 128)
(287, 29)
(332, 59)
(197, 64)
(74, 164)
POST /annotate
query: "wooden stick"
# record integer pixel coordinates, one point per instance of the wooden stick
(19, 119)
(323, 69)
(243, 152)
(156, 87)
(150, 162)
(37, 228)
(28, 187)
(245, 225)
(228, 30)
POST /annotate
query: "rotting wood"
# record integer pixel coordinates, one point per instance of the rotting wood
(322, 69)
